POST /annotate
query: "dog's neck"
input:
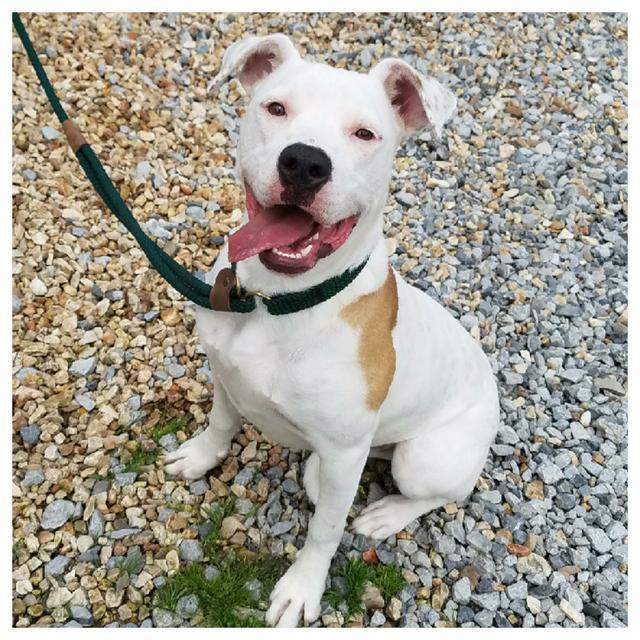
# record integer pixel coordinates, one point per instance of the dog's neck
(366, 240)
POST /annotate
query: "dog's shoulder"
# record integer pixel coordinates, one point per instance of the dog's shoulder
(374, 316)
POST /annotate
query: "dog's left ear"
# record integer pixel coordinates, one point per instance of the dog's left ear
(255, 58)
(416, 99)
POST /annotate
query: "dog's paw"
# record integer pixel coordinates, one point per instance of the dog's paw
(297, 593)
(383, 518)
(311, 478)
(195, 457)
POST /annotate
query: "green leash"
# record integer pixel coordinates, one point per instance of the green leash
(238, 299)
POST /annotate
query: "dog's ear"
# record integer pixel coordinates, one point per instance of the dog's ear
(416, 99)
(255, 58)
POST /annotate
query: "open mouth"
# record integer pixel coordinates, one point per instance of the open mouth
(285, 237)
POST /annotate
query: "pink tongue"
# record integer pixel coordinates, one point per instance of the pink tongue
(274, 227)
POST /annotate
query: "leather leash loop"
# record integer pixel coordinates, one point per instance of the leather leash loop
(74, 135)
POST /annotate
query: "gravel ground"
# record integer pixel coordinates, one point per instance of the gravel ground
(515, 221)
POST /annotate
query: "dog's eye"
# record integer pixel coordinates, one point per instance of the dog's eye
(276, 109)
(364, 134)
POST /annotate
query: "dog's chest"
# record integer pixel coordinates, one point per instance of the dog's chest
(291, 378)
(256, 367)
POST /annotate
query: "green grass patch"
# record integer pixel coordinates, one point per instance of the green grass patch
(356, 573)
(224, 601)
(140, 459)
(388, 578)
(182, 507)
(215, 516)
(172, 426)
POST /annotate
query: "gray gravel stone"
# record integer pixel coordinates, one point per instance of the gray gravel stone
(57, 566)
(57, 513)
(244, 476)
(191, 550)
(616, 531)
(281, 527)
(290, 486)
(30, 434)
(599, 539)
(377, 619)
(420, 559)
(33, 477)
(517, 590)
(169, 442)
(199, 487)
(462, 590)
(484, 618)
(165, 618)
(85, 401)
(16, 304)
(477, 540)
(81, 614)
(254, 587)
(95, 526)
(176, 370)
(119, 534)
(125, 479)
(49, 133)
(83, 367)
(187, 606)
(488, 601)
(549, 472)
(143, 169)
(407, 199)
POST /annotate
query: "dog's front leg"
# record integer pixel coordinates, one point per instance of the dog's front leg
(301, 587)
(203, 452)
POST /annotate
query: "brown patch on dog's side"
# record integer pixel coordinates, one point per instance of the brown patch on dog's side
(374, 315)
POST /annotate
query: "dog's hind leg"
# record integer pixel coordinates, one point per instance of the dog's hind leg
(206, 450)
(439, 466)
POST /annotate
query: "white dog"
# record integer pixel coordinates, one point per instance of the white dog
(359, 363)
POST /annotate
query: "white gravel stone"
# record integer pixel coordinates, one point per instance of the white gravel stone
(462, 590)
(599, 539)
(549, 472)
(38, 287)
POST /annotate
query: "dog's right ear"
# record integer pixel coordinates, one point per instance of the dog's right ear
(253, 59)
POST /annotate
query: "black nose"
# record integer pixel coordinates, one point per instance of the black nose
(304, 168)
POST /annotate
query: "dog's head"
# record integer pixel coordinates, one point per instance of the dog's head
(316, 147)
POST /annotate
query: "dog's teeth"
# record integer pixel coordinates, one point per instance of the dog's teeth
(285, 254)
(315, 236)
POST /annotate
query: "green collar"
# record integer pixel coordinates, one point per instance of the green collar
(228, 295)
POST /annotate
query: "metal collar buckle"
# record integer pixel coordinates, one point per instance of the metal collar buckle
(249, 294)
